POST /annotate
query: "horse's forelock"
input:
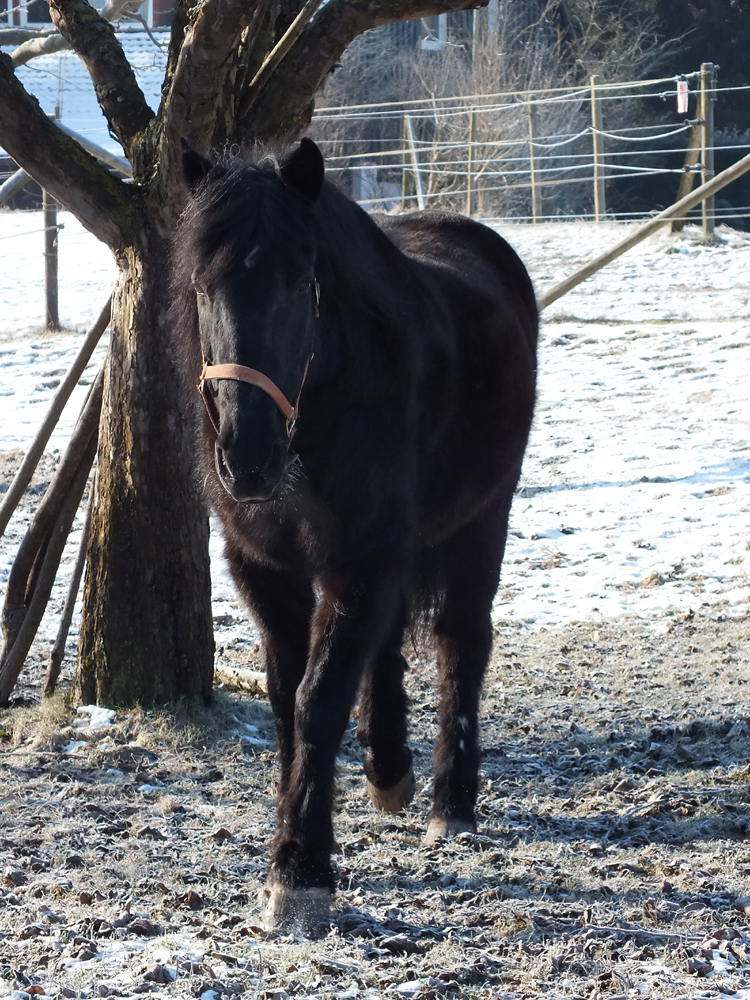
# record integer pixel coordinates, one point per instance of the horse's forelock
(243, 207)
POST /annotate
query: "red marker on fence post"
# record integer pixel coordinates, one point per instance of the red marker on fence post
(682, 97)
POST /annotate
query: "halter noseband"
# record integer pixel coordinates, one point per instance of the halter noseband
(241, 373)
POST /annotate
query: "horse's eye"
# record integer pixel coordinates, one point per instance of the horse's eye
(305, 286)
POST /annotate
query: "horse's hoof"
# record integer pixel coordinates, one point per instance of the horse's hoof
(393, 799)
(440, 829)
(299, 909)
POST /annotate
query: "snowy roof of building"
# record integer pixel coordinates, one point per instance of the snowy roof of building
(61, 81)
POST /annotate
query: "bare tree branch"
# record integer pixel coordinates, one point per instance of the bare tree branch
(199, 103)
(51, 41)
(285, 106)
(206, 56)
(60, 165)
(94, 41)
(17, 36)
(284, 44)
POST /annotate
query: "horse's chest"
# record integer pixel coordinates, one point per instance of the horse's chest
(286, 539)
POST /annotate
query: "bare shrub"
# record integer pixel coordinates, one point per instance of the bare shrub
(489, 63)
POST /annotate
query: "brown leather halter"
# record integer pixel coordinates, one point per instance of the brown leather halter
(241, 373)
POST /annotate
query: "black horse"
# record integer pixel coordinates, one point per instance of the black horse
(368, 384)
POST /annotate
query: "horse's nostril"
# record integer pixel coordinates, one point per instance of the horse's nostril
(221, 465)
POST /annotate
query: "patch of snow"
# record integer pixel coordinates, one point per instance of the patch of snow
(634, 497)
(98, 717)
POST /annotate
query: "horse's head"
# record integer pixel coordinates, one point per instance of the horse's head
(253, 249)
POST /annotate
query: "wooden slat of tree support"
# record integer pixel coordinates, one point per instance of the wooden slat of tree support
(679, 208)
(23, 477)
(38, 558)
(274, 57)
(57, 653)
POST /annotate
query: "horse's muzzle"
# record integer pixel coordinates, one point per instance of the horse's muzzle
(249, 486)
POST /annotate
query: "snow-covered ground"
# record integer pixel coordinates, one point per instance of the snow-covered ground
(635, 494)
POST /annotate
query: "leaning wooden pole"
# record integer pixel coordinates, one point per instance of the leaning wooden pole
(23, 477)
(57, 653)
(679, 208)
(278, 52)
(38, 558)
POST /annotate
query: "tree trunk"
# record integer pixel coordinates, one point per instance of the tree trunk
(146, 633)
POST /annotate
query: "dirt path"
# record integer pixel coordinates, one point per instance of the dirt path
(611, 859)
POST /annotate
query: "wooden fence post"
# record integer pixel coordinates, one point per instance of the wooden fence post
(600, 203)
(536, 192)
(692, 156)
(415, 160)
(49, 206)
(404, 165)
(707, 144)
(470, 200)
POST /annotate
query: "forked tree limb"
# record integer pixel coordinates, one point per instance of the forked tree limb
(93, 39)
(22, 478)
(285, 106)
(32, 558)
(104, 204)
(198, 102)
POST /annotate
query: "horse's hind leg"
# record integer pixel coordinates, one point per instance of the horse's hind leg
(463, 632)
(382, 728)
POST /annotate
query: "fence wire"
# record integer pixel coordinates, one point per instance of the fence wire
(490, 153)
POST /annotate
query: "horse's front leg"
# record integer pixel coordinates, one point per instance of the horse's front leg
(282, 605)
(352, 620)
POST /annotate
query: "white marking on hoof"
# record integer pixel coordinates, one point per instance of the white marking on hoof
(393, 799)
(301, 909)
(443, 829)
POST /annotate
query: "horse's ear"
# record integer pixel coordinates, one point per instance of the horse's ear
(194, 166)
(303, 170)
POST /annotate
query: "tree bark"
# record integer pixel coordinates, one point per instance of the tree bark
(146, 634)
